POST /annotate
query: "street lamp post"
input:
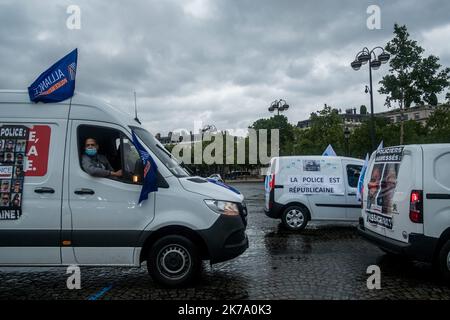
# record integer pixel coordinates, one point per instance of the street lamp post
(279, 105)
(375, 62)
(346, 137)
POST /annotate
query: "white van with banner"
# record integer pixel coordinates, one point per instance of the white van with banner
(303, 188)
(406, 202)
(53, 212)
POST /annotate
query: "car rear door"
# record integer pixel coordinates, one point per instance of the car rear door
(370, 190)
(400, 172)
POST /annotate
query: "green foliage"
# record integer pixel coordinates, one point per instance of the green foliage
(326, 128)
(438, 126)
(363, 109)
(412, 78)
(286, 132)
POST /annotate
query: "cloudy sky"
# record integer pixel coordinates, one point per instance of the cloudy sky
(219, 61)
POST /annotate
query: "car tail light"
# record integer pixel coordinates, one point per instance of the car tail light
(272, 182)
(416, 207)
(271, 190)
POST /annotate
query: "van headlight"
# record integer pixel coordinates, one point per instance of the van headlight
(223, 207)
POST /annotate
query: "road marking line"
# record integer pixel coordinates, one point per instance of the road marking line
(100, 293)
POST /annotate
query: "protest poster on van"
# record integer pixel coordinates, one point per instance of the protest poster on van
(13, 146)
(381, 186)
(316, 177)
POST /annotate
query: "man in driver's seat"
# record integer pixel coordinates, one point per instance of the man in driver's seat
(95, 164)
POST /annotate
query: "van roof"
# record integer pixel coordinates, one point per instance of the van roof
(318, 156)
(425, 146)
(83, 107)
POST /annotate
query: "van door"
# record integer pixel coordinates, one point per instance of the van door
(398, 171)
(371, 187)
(329, 206)
(107, 220)
(436, 189)
(352, 172)
(30, 212)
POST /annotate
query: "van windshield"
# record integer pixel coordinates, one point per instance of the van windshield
(161, 153)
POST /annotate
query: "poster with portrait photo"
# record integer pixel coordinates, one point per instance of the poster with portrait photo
(21, 146)
(381, 186)
(13, 146)
(17, 185)
(5, 186)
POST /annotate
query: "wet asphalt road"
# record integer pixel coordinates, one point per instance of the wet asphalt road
(325, 261)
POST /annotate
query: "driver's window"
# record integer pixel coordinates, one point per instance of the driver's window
(132, 164)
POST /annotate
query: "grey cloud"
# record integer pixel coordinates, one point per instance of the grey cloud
(225, 65)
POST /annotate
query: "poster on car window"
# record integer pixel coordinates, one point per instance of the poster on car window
(381, 187)
(13, 146)
(316, 177)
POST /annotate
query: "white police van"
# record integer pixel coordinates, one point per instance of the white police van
(54, 213)
(406, 203)
(303, 188)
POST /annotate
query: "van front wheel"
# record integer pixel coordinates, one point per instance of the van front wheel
(173, 261)
(295, 218)
(444, 261)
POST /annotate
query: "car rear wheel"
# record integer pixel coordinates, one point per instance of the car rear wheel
(295, 218)
(444, 261)
(174, 261)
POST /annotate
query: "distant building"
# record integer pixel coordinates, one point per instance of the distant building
(416, 113)
(351, 119)
(176, 138)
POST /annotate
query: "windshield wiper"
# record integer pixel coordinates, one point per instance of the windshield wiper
(180, 163)
(165, 151)
(184, 166)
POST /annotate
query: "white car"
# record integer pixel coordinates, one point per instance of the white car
(406, 203)
(303, 188)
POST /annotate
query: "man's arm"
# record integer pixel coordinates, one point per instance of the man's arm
(103, 159)
(108, 166)
(90, 168)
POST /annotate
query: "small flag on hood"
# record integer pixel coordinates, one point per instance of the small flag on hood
(56, 83)
(329, 151)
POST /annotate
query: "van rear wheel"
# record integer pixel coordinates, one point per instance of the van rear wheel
(444, 261)
(295, 218)
(174, 261)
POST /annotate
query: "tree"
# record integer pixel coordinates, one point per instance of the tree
(281, 123)
(363, 109)
(438, 126)
(412, 78)
(326, 128)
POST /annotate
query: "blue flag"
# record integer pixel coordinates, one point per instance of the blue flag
(329, 151)
(150, 170)
(380, 146)
(56, 83)
(361, 178)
